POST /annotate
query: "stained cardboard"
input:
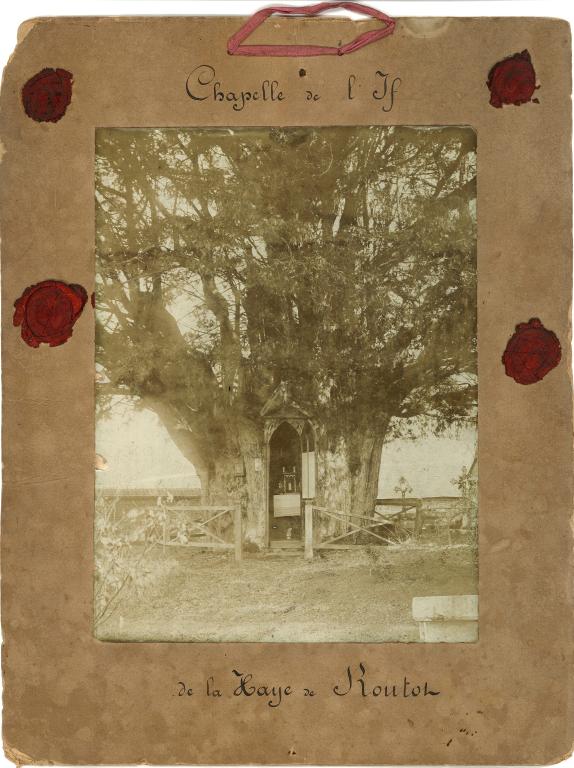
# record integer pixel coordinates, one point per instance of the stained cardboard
(69, 698)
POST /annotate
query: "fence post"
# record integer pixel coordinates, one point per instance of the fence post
(238, 533)
(419, 520)
(308, 530)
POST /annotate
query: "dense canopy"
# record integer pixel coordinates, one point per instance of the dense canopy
(340, 262)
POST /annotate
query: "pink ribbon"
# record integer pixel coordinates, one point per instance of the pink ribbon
(235, 47)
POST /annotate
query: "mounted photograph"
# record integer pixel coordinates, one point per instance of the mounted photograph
(286, 384)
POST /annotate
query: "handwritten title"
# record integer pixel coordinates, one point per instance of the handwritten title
(354, 682)
(203, 85)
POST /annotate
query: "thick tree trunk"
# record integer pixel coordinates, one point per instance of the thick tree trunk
(347, 474)
(251, 446)
(348, 478)
(365, 474)
(233, 473)
(237, 476)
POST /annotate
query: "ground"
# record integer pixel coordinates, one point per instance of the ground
(340, 596)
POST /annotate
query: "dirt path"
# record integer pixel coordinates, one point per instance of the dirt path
(339, 597)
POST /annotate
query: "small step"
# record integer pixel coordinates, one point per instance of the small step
(286, 544)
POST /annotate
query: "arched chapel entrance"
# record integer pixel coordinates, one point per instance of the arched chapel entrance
(285, 484)
(290, 468)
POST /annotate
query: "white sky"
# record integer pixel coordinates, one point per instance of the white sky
(141, 454)
(428, 464)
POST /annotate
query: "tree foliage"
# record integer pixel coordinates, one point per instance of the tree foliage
(340, 261)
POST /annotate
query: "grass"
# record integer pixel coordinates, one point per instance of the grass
(363, 595)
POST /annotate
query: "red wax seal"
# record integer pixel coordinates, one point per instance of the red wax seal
(47, 312)
(512, 80)
(46, 96)
(531, 352)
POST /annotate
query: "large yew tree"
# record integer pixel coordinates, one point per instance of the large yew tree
(340, 262)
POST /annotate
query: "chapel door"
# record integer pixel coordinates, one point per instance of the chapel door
(285, 485)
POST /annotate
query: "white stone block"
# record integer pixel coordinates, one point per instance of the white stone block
(447, 618)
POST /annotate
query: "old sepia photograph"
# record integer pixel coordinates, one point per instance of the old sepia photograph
(286, 385)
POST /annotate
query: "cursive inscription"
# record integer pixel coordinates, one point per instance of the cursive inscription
(202, 85)
(354, 681)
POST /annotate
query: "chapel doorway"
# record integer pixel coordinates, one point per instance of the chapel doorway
(285, 484)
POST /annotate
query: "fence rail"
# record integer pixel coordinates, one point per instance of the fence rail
(364, 525)
(201, 533)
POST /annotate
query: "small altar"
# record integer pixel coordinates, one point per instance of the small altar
(286, 504)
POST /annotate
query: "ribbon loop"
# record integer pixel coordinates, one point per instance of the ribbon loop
(236, 48)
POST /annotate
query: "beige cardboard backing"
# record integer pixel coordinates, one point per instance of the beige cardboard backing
(71, 699)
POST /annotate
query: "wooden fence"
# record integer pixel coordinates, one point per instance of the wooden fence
(201, 527)
(410, 519)
(350, 524)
